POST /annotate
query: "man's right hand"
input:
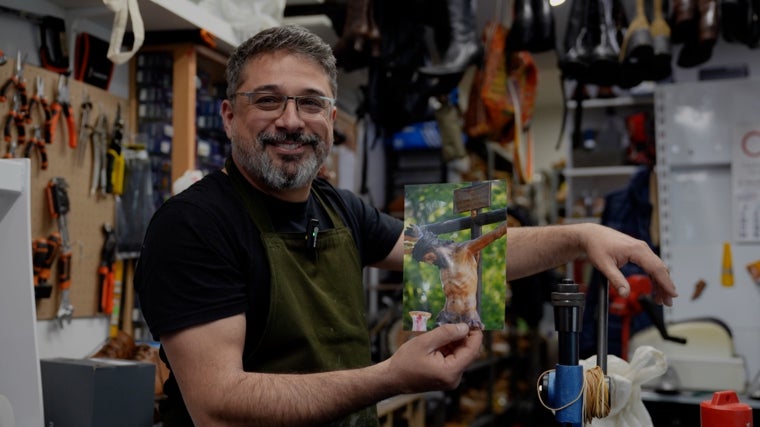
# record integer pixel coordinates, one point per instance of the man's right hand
(435, 360)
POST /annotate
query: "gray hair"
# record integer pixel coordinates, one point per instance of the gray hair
(294, 39)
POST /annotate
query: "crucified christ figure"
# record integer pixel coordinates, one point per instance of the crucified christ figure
(458, 267)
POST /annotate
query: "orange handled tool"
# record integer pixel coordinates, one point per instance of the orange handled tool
(58, 204)
(62, 104)
(105, 269)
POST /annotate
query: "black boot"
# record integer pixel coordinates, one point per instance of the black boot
(543, 24)
(576, 50)
(604, 68)
(464, 47)
(532, 27)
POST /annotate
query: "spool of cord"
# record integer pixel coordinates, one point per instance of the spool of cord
(595, 393)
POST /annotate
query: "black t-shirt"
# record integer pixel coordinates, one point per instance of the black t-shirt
(202, 258)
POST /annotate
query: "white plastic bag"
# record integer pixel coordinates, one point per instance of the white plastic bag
(247, 17)
(625, 386)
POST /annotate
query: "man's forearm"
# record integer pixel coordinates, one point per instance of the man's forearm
(297, 399)
(531, 250)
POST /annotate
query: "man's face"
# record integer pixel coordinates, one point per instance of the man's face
(280, 149)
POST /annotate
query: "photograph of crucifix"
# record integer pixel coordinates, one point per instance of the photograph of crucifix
(455, 255)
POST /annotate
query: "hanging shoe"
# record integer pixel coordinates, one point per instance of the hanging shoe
(349, 50)
(543, 25)
(464, 47)
(637, 51)
(663, 56)
(577, 46)
(734, 22)
(699, 50)
(521, 33)
(604, 63)
(684, 20)
(532, 27)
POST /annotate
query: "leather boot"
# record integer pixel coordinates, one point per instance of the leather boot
(699, 50)
(521, 34)
(373, 36)
(753, 24)
(637, 51)
(604, 68)
(574, 58)
(733, 20)
(464, 46)
(532, 27)
(684, 20)
(661, 65)
(349, 48)
(545, 35)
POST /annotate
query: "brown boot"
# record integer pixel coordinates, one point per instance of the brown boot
(350, 46)
(699, 49)
(684, 20)
(637, 50)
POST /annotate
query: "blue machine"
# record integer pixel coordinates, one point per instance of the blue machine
(562, 389)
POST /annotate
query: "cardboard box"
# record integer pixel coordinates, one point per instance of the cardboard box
(97, 392)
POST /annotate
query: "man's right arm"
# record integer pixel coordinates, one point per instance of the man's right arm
(207, 362)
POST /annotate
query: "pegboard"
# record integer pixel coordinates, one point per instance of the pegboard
(88, 212)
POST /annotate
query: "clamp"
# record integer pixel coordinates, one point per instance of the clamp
(17, 80)
(16, 118)
(62, 104)
(38, 98)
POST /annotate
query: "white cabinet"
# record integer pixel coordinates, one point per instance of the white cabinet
(598, 154)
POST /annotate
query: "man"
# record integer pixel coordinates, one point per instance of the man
(251, 278)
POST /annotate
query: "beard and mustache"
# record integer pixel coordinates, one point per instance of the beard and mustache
(284, 172)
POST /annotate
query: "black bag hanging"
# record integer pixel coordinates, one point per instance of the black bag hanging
(91, 63)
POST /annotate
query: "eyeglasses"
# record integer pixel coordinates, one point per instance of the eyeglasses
(306, 104)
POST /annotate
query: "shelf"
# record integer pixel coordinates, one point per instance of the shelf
(621, 101)
(158, 15)
(600, 171)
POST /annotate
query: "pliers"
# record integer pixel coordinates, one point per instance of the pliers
(38, 98)
(36, 141)
(14, 118)
(84, 126)
(63, 104)
(17, 80)
(99, 150)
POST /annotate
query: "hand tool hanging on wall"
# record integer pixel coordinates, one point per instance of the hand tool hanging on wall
(105, 269)
(115, 158)
(3, 59)
(84, 127)
(99, 148)
(58, 205)
(62, 104)
(38, 99)
(44, 252)
(37, 142)
(17, 81)
(54, 53)
(14, 119)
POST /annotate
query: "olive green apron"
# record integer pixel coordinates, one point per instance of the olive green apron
(316, 320)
